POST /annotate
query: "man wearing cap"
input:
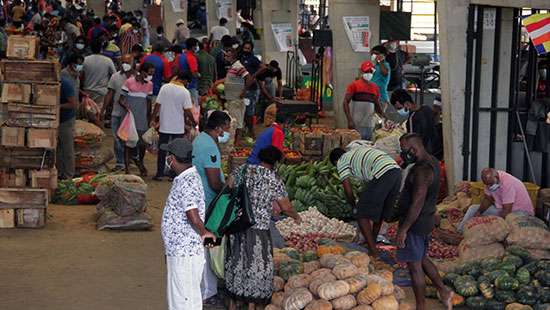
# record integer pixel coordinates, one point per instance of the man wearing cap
(183, 229)
(365, 96)
(181, 34)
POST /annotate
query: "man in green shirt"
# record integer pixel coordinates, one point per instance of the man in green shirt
(382, 176)
(207, 70)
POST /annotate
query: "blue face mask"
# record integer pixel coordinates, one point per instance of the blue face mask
(493, 188)
(225, 138)
(402, 112)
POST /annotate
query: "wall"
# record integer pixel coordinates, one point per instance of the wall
(346, 62)
(213, 20)
(170, 17)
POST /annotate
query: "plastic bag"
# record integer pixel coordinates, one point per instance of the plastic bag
(150, 136)
(127, 131)
(217, 259)
(123, 195)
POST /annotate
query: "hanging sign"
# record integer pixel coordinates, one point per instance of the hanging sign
(283, 36)
(358, 32)
(224, 9)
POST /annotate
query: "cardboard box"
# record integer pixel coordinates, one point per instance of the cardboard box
(7, 218)
(12, 136)
(46, 94)
(42, 138)
(16, 92)
(22, 47)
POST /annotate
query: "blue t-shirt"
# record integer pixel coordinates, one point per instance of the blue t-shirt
(184, 66)
(382, 81)
(157, 62)
(273, 135)
(67, 91)
(206, 155)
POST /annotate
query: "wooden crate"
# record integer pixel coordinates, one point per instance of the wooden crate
(312, 144)
(22, 47)
(330, 142)
(30, 115)
(46, 94)
(42, 138)
(45, 178)
(16, 92)
(348, 135)
(12, 136)
(39, 71)
(25, 158)
(30, 218)
(7, 218)
(23, 198)
(13, 178)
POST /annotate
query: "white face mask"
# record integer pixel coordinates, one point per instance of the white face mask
(79, 46)
(149, 78)
(494, 187)
(367, 76)
(135, 31)
(393, 46)
(126, 67)
(373, 57)
(196, 49)
(225, 137)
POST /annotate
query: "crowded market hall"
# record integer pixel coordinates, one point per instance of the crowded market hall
(275, 155)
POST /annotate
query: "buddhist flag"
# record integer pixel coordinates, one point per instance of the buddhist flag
(538, 27)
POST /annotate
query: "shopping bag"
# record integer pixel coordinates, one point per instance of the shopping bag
(217, 259)
(150, 136)
(127, 131)
(219, 213)
(242, 208)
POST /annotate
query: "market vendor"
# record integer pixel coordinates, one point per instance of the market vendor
(271, 136)
(504, 194)
(383, 181)
(364, 98)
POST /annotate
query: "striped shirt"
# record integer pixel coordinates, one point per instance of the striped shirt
(364, 163)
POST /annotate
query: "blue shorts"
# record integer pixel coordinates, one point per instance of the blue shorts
(416, 247)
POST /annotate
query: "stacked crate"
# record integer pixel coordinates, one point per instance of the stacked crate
(29, 119)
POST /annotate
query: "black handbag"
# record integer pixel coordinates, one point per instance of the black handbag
(243, 215)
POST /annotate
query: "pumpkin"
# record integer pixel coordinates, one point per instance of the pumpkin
(506, 282)
(476, 302)
(278, 259)
(316, 282)
(332, 290)
(399, 293)
(386, 303)
(363, 270)
(278, 284)
(344, 271)
(369, 294)
(356, 283)
(277, 299)
(362, 307)
(319, 304)
(298, 299)
(512, 259)
(297, 281)
(457, 300)
(320, 272)
(329, 260)
(505, 296)
(527, 295)
(330, 249)
(310, 267)
(387, 288)
(384, 274)
(523, 276)
(361, 260)
(272, 307)
(309, 256)
(292, 253)
(288, 269)
(344, 303)
(518, 306)
(430, 291)
(486, 290)
(450, 278)
(407, 306)
(374, 278)
(492, 304)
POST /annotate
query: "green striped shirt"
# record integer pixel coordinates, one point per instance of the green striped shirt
(364, 163)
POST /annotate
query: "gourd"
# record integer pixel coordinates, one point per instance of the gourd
(519, 251)
(292, 253)
(344, 303)
(543, 276)
(278, 259)
(466, 286)
(512, 259)
(544, 294)
(311, 266)
(505, 296)
(278, 284)
(523, 276)
(491, 276)
(486, 290)
(288, 269)
(330, 249)
(319, 304)
(297, 281)
(362, 307)
(494, 305)
(476, 302)
(532, 267)
(387, 288)
(506, 282)
(509, 267)
(543, 265)
(317, 282)
(368, 295)
(399, 293)
(384, 274)
(277, 299)
(450, 278)
(386, 303)
(320, 272)
(356, 283)
(527, 295)
(457, 300)
(351, 254)
(517, 306)
(407, 306)
(329, 260)
(298, 299)
(344, 271)
(272, 307)
(309, 256)
(332, 290)
(490, 264)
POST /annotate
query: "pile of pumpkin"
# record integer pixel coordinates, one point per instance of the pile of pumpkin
(515, 281)
(331, 278)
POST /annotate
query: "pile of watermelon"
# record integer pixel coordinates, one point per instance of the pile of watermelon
(494, 283)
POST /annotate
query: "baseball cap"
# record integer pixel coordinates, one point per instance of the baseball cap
(180, 147)
(366, 66)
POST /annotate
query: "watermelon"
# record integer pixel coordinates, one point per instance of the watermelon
(544, 277)
(514, 260)
(476, 302)
(505, 296)
(506, 282)
(494, 305)
(523, 276)
(527, 295)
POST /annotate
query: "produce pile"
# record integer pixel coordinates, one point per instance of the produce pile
(78, 191)
(89, 155)
(316, 184)
(515, 281)
(314, 226)
(332, 278)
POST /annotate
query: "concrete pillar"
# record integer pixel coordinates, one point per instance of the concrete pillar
(346, 62)
(213, 20)
(170, 17)
(132, 5)
(276, 12)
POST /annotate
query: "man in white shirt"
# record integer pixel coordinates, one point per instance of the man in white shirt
(217, 32)
(172, 111)
(183, 230)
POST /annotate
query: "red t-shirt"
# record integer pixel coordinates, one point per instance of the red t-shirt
(358, 90)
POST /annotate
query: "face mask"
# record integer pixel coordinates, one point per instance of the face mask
(224, 138)
(78, 68)
(159, 35)
(494, 187)
(393, 46)
(149, 78)
(403, 112)
(235, 46)
(196, 49)
(79, 46)
(135, 31)
(126, 67)
(408, 157)
(167, 166)
(367, 76)
(373, 57)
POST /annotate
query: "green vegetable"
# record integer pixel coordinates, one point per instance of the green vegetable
(544, 294)
(449, 278)
(466, 286)
(527, 295)
(532, 266)
(494, 305)
(505, 296)
(520, 252)
(490, 264)
(495, 274)
(475, 302)
(290, 268)
(544, 265)
(523, 276)
(509, 267)
(486, 290)
(506, 282)
(512, 259)
(309, 256)
(544, 277)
